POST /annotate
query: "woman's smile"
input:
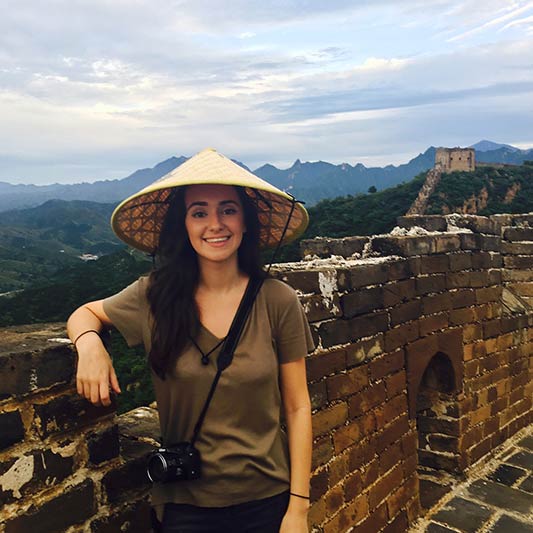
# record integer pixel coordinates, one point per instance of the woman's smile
(217, 241)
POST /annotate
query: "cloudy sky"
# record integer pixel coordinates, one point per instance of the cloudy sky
(95, 89)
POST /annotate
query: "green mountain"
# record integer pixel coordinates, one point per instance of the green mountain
(70, 287)
(486, 191)
(35, 243)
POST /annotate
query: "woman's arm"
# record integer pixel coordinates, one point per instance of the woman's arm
(297, 408)
(95, 371)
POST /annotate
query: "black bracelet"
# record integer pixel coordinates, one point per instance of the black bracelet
(299, 496)
(82, 334)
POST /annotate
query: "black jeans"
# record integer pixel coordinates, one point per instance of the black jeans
(258, 516)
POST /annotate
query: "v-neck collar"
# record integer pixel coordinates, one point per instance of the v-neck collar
(210, 333)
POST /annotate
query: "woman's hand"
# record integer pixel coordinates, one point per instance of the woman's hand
(95, 374)
(294, 521)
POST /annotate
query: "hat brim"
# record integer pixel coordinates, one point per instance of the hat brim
(138, 219)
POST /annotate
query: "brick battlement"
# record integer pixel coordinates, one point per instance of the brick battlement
(423, 365)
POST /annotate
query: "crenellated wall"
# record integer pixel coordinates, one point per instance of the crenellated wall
(423, 366)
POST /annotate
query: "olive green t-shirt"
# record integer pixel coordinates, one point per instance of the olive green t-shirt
(243, 448)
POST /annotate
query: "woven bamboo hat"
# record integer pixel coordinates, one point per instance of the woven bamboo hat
(138, 219)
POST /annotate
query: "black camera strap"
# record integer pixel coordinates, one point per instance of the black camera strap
(230, 343)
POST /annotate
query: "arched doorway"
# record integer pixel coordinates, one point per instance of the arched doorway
(437, 420)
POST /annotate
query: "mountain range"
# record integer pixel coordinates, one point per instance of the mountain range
(36, 243)
(307, 181)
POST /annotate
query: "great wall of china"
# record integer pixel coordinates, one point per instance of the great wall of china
(423, 366)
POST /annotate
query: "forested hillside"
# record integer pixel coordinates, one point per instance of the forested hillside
(70, 287)
(35, 243)
(486, 191)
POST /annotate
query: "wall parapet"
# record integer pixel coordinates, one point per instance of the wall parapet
(424, 339)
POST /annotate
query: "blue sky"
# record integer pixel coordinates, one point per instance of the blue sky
(97, 89)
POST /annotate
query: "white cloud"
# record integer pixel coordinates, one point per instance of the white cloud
(494, 21)
(105, 87)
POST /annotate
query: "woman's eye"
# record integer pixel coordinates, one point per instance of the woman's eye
(198, 214)
(230, 211)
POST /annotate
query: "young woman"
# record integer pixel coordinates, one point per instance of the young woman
(205, 222)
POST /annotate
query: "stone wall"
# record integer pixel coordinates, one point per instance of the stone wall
(423, 362)
(62, 461)
(420, 204)
(455, 159)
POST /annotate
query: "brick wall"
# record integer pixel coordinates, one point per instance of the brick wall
(423, 362)
(62, 461)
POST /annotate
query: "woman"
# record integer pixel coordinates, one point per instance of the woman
(204, 222)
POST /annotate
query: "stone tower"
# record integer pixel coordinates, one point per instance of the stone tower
(452, 159)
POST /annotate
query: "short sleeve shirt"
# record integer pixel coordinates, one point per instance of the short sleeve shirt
(243, 447)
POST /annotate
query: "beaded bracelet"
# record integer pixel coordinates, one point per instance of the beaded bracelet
(299, 496)
(82, 334)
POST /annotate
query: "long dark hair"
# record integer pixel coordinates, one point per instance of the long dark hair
(174, 280)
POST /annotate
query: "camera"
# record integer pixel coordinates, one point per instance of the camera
(175, 463)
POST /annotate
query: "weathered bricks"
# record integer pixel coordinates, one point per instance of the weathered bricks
(398, 292)
(463, 298)
(66, 413)
(362, 301)
(324, 247)
(328, 419)
(346, 384)
(427, 284)
(11, 428)
(416, 245)
(517, 248)
(344, 331)
(405, 312)
(72, 506)
(401, 335)
(326, 363)
(305, 281)
(133, 518)
(103, 445)
(434, 304)
(125, 479)
(518, 234)
(24, 372)
(362, 350)
(45, 466)
(428, 222)
(518, 261)
(319, 308)
(365, 400)
(432, 323)
(372, 274)
(434, 264)
(387, 364)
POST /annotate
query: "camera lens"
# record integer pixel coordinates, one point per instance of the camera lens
(157, 468)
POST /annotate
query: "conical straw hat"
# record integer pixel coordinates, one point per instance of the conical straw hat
(138, 219)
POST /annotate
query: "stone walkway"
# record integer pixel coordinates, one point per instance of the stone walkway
(497, 497)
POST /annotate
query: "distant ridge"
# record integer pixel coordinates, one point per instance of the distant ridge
(108, 191)
(488, 146)
(309, 182)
